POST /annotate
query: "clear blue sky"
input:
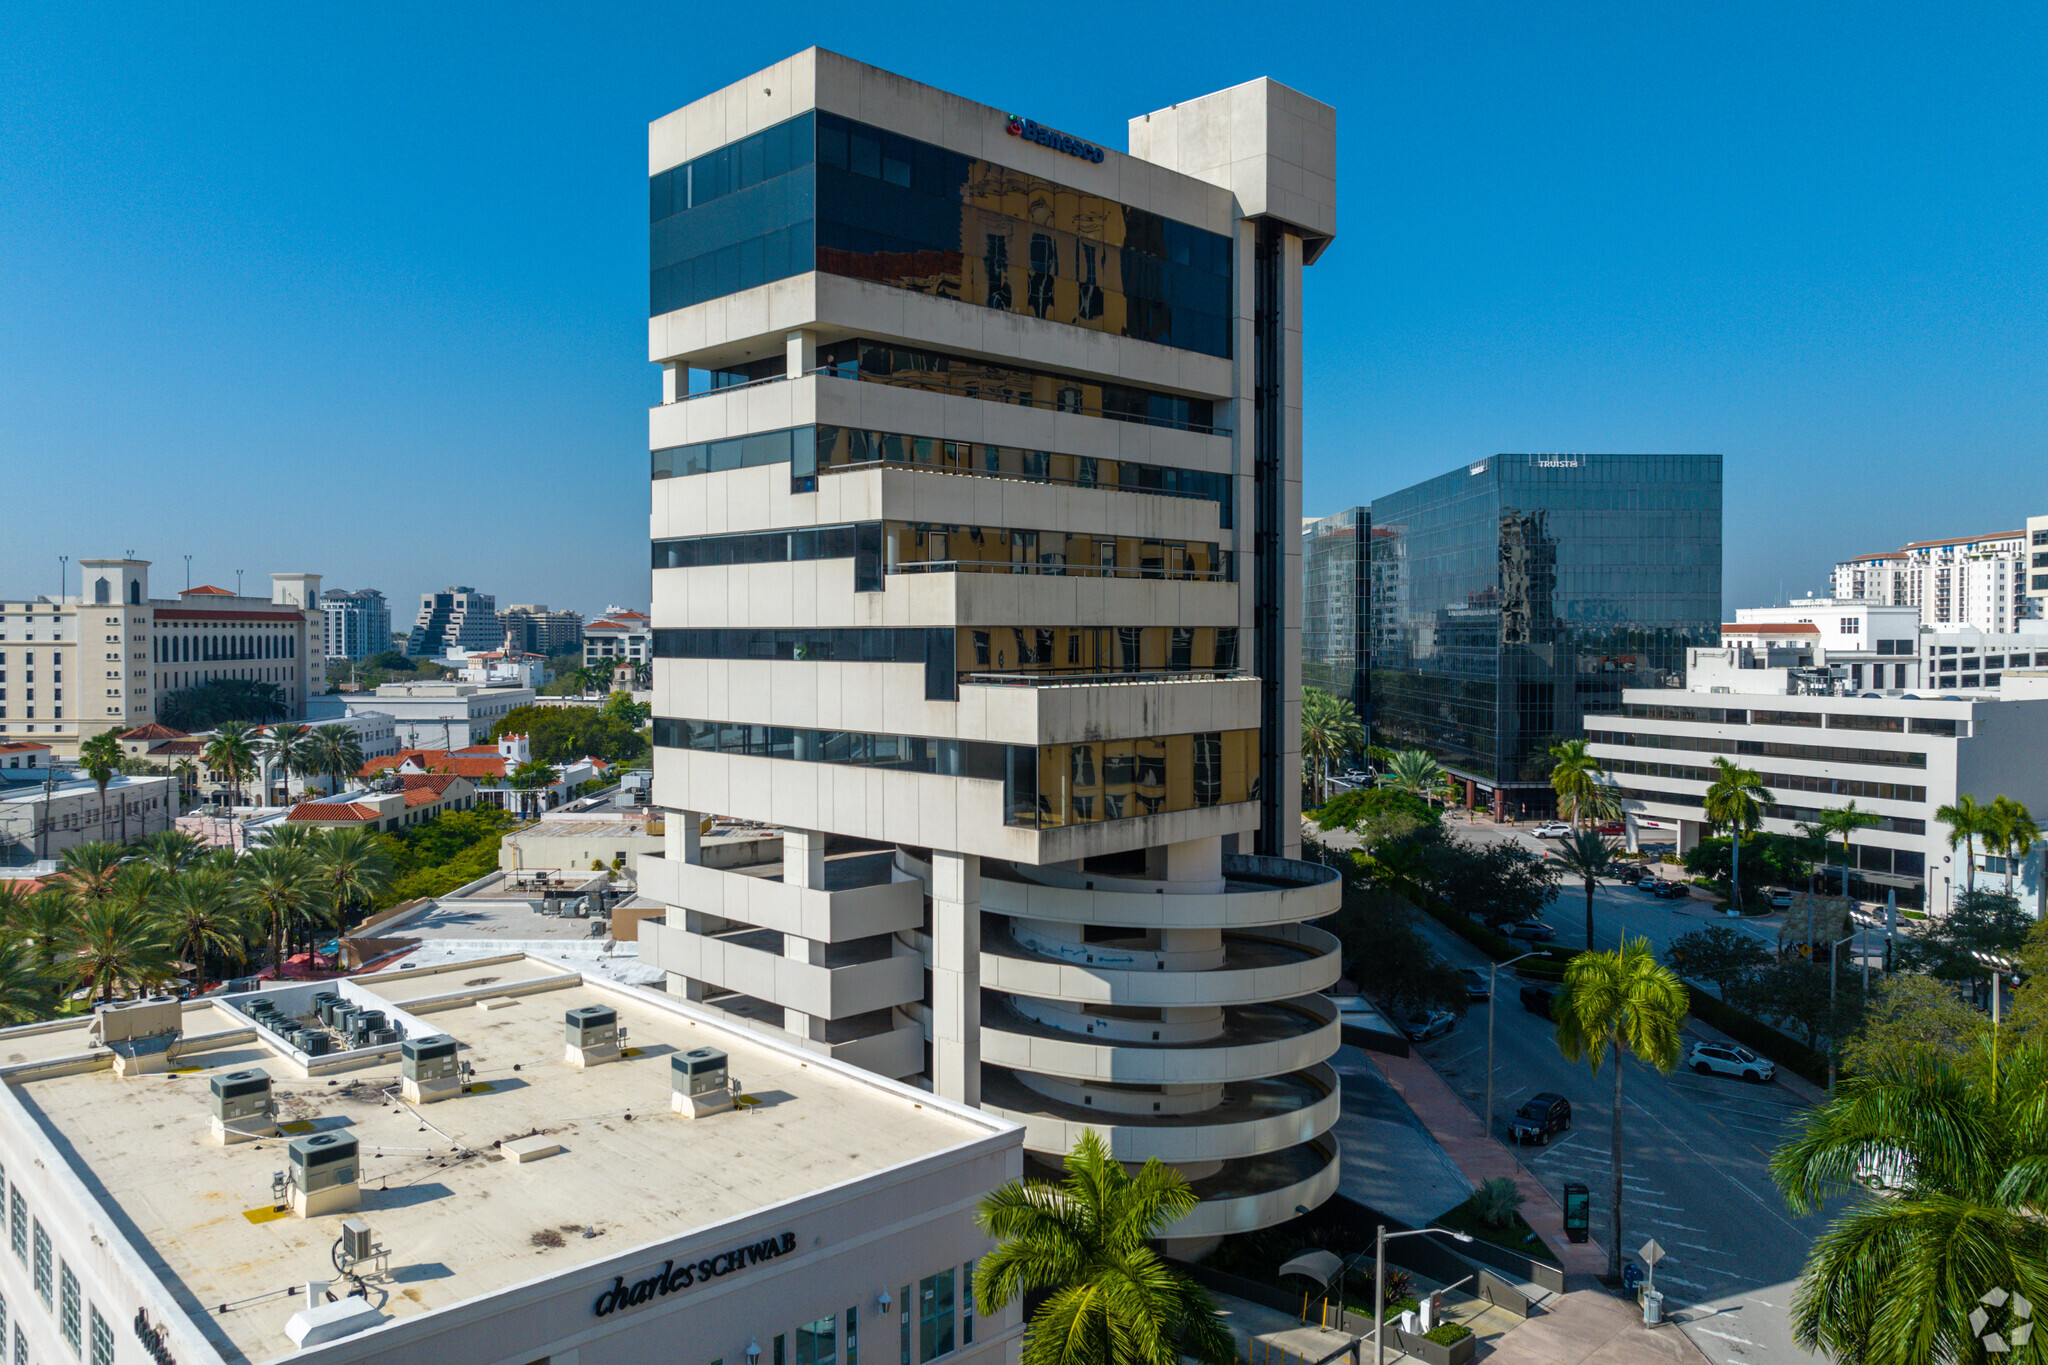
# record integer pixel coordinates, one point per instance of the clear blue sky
(361, 289)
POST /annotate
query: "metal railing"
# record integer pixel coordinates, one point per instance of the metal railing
(1059, 570)
(1153, 675)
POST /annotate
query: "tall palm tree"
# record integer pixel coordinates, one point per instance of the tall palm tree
(1414, 771)
(1329, 730)
(280, 886)
(1966, 820)
(1620, 1002)
(337, 754)
(1840, 823)
(1574, 776)
(1893, 1281)
(23, 996)
(41, 927)
(100, 756)
(2010, 826)
(117, 947)
(204, 918)
(353, 869)
(232, 752)
(88, 873)
(169, 850)
(1586, 855)
(286, 747)
(1113, 1301)
(1737, 799)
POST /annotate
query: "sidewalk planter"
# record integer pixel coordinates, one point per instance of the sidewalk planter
(1459, 1352)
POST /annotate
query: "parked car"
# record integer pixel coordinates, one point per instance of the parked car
(1630, 874)
(1475, 984)
(1539, 999)
(1553, 829)
(1611, 827)
(1780, 898)
(1540, 1117)
(1884, 1170)
(1727, 1059)
(1670, 891)
(1423, 1025)
(1534, 929)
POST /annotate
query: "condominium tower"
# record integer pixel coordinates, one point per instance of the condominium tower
(976, 561)
(358, 623)
(455, 618)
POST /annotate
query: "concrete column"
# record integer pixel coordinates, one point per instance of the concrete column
(680, 841)
(956, 976)
(803, 858)
(675, 380)
(1195, 866)
(1689, 832)
(803, 353)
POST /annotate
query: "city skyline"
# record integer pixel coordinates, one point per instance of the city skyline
(1826, 280)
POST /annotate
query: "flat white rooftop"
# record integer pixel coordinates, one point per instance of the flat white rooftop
(458, 1219)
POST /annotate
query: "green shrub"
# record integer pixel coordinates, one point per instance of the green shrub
(1447, 1333)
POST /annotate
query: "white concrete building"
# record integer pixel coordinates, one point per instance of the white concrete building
(2037, 565)
(1876, 646)
(1817, 748)
(1974, 581)
(975, 556)
(76, 666)
(441, 715)
(165, 1218)
(38, 823)
(454, 618)
(619, 636)
(358, 623)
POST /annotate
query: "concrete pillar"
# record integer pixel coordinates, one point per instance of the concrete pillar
(1689, 832)
(675, 382)
(803, 353)
(1195, 866)
(803, 858)
(956, 976)
(1635, 833)
(680, 841)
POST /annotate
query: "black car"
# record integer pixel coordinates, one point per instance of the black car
(1667, 891)
(1628, 874)
(1475, 984)
(1539, 1117)
(1539, 999)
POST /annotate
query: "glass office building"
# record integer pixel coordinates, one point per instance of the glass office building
(1336, 652)
(1511, 597)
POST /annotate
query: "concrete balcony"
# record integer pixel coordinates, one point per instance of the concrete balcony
(891, 902)
(853, 979)
(1253, 1041)
(1279, 963)
(1257, 892)
(1248, 1193)
(1003, 599)
(1250, 1118)
(1049, 709)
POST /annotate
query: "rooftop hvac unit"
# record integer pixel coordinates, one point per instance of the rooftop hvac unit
(592, 1033)
(323, 1006)
(241, 1106)
(317, 1044)
(324, 1169)
(699, 1082)
(140, 1033)
(344, 1017)
(428, 1069)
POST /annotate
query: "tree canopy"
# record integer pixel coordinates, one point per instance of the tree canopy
(560, 734)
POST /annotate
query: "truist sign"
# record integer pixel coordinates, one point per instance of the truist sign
(622, 1294)
(1046, 137)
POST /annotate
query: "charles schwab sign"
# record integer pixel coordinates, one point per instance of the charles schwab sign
(622, 1293)
(1046, 137)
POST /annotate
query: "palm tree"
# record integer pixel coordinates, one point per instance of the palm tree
(2010, 825)
(531, 781)
(336, 753)
(118, 947)
(1414, 771)
(1586, 855)
(1737, 799)
(1617, 1002)
(352, 867)
(1893, 1281)
(1842, 822)
(286, 747)
(203, 917)
(1113, 1301)
(279, 885)
(1329, 731)
(170, 851)
(1574, 776)
(1966, 820)
(41, 925)
(88, 873)
(232, 752)
(23, 997)
(100, 756)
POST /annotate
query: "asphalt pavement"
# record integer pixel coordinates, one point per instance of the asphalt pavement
(1695, 1168)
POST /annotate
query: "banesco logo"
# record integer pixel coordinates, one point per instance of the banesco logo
(2018, 1321)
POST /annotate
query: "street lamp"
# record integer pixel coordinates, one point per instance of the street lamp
(1834, 956)
(1492, 986)
(1379, 1282)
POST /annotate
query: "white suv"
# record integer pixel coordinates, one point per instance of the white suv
(1555, 829)
(1730, 1060)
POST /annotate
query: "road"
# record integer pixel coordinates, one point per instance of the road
(1694, 1171)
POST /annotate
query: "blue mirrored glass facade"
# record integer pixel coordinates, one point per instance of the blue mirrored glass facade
(1336, 649)
(1511, 598)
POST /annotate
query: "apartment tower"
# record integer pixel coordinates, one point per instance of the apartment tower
(976, 546)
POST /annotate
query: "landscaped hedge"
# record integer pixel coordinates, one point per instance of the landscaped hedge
(1785, 1051)
(1495, 946)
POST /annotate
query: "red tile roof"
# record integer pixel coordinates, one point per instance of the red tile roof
(424, 789)
(1964, 540)
(481, 760)
(155, 731)
(206, 588)
(179, 746)
(21, 745)
(331, 810)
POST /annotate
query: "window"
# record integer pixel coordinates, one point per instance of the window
(817, 1343)
(20, 1346)
(853, 1336)
(935, 1316)
(967, 1304)
(102, 1340)
(1849, 625)
(903, 1302)
(68, 1320)
(42, 1266)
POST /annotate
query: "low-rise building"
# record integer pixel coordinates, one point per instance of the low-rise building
(1875, 644)
(502, 667)
(447, 715)
(24, 760)
(1818, 746)
(414, 799)
(493, 768)
(40, 821)
(620, 636)
(824, 1207)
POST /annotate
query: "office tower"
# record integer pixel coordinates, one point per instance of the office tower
(454, 618)
(1514, 595)
(975, 540)
(1336, 653)
(358, 623)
